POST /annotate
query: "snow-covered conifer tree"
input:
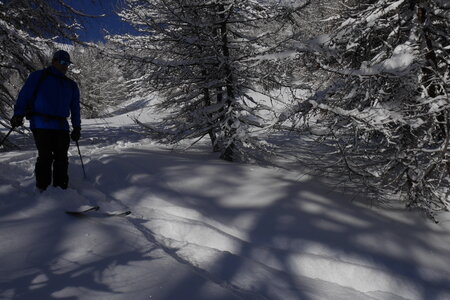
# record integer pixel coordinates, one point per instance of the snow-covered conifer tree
(206, 60)
(101, 78)
(388, 105)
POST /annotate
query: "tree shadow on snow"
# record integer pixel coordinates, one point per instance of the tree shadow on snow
(302, 226)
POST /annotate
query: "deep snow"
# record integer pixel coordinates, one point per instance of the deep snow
(203, 228)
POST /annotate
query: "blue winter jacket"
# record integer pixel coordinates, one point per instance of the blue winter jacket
(57, 96)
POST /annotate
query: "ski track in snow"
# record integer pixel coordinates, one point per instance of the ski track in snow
(202, 228)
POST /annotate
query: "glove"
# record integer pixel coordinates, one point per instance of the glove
(76, 133)
(16, 121)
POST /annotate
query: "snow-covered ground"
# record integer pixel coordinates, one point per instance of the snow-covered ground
(202, 228)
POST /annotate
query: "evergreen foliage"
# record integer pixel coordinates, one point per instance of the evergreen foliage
(387, 106)
(102, 79)
(206, 58)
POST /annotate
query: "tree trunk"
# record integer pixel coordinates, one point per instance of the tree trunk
(433, 89)
(230, 145)
(207, 101)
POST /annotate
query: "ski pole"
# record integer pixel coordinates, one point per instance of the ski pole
(81, 159)
(6, 136)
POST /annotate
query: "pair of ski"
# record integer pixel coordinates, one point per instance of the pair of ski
(93, 210)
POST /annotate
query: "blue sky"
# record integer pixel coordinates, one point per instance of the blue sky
(95, 26)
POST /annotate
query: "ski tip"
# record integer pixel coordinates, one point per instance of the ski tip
(82, 210)
(117, 214)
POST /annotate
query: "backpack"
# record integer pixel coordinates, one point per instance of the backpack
(29, 109)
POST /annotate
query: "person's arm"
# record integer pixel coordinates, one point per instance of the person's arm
(26, 94)
(75, 108)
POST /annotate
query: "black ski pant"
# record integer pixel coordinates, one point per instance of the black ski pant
(52, 146)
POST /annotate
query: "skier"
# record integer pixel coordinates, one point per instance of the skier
(47, 99)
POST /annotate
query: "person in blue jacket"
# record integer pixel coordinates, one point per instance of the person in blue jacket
(47, 99)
